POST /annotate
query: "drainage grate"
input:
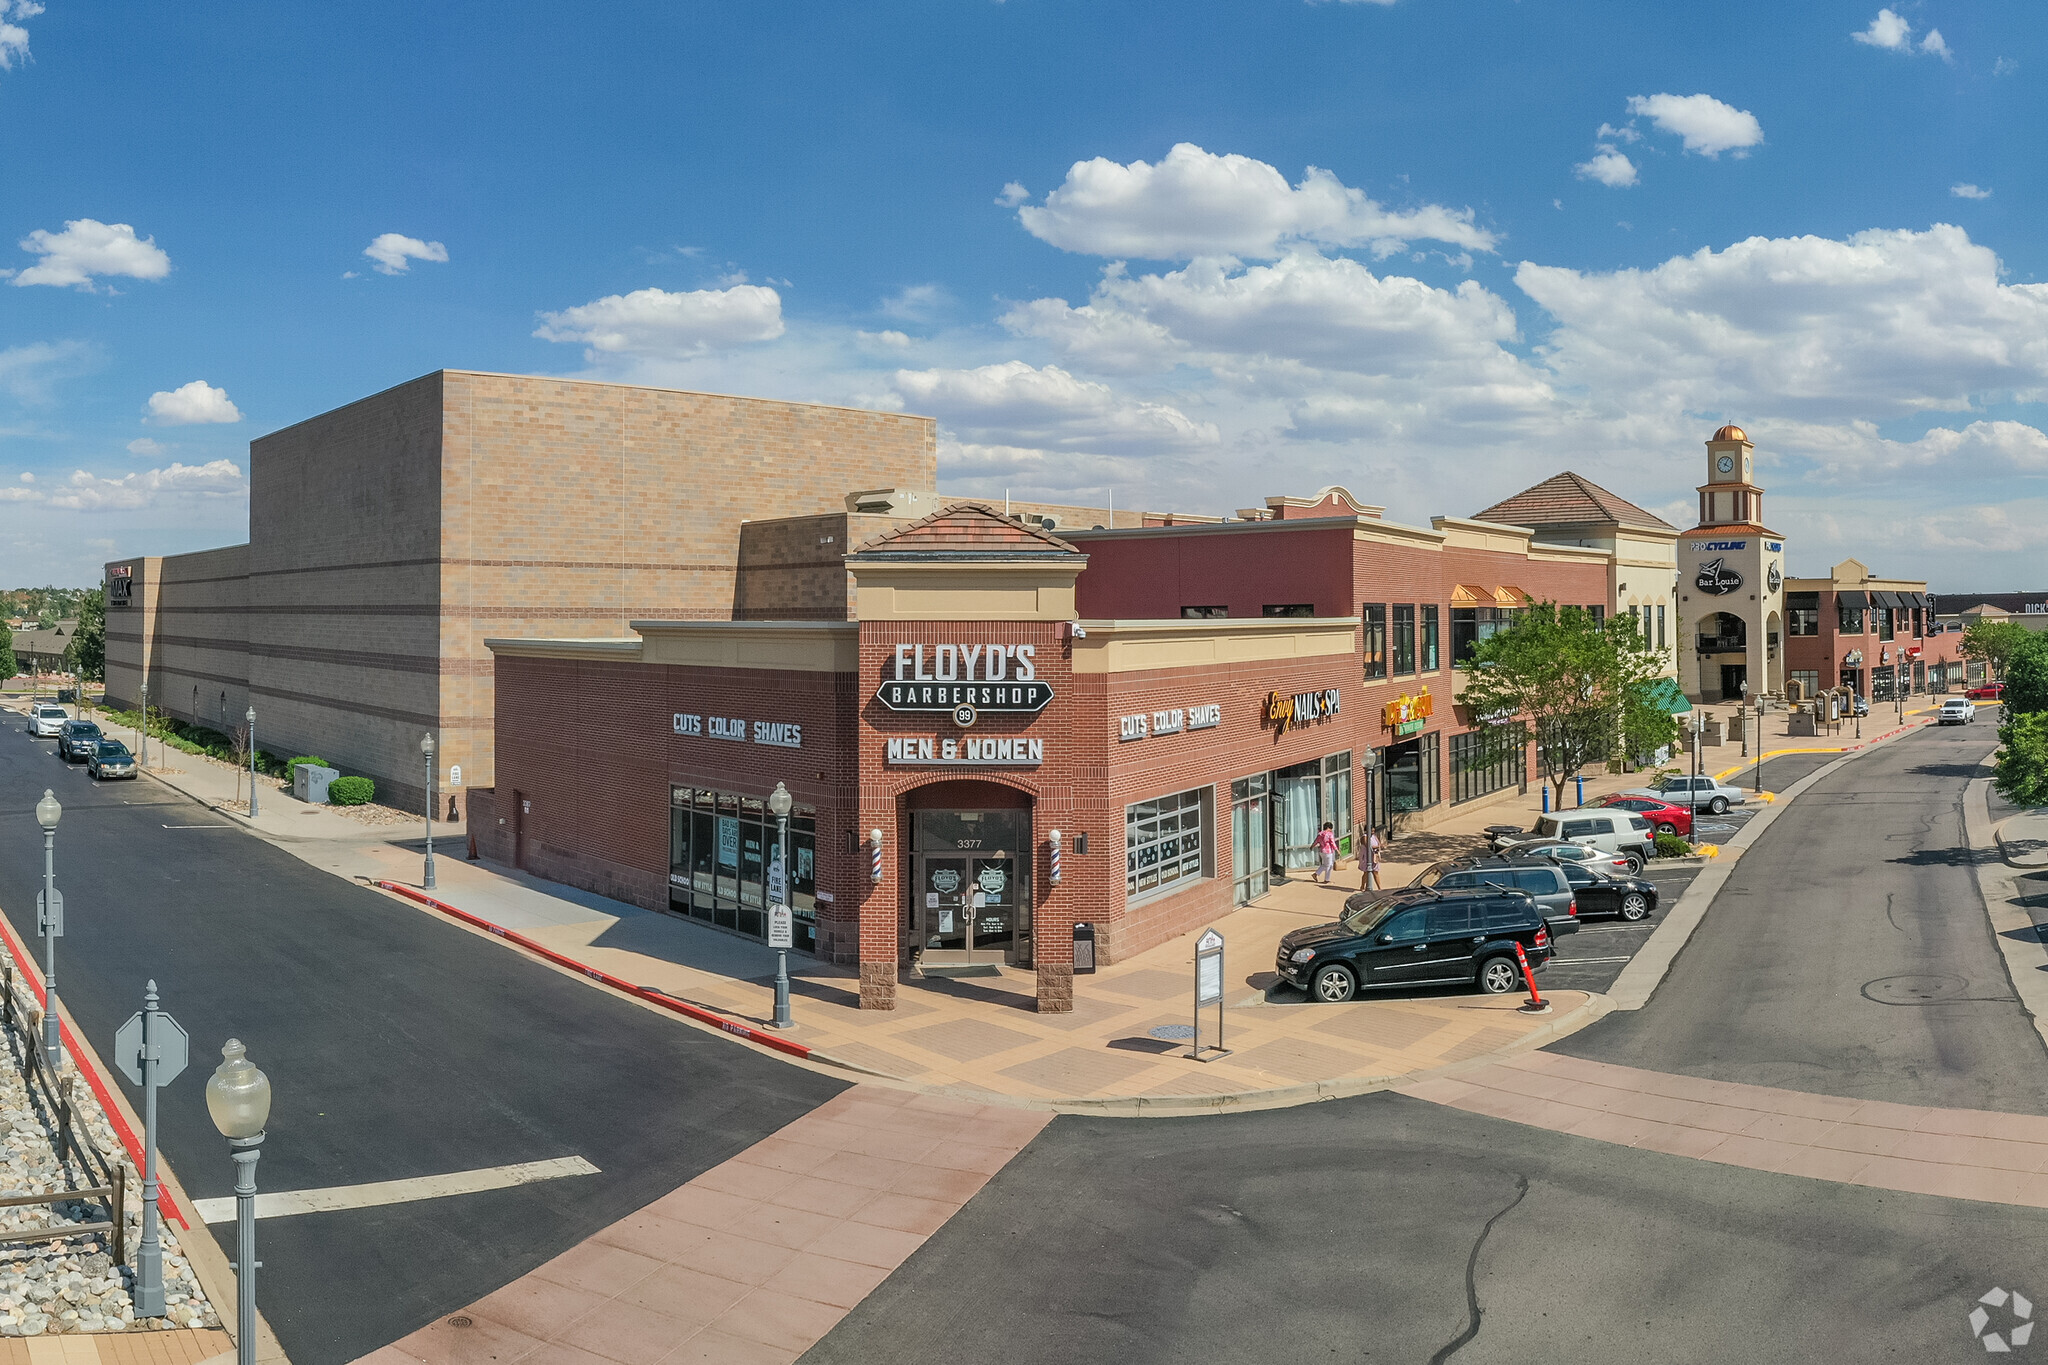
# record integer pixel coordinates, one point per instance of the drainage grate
(1174, 1032)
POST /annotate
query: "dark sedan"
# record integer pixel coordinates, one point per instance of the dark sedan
(1415, 936)
(76, 740)
(1610, 893)
(110, 758)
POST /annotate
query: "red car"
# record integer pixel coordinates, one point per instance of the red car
(1991, 691)
(1667, 819)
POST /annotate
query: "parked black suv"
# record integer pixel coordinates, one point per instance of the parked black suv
(1610, 893)
(78, 739)
(1417, 936)
(1543, 879)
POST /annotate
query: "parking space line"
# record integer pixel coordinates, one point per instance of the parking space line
(382, 1192)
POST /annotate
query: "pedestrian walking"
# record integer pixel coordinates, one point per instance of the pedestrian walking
(1371, 861)
(1326, 853)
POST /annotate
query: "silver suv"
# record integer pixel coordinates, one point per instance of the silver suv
(1622, 833)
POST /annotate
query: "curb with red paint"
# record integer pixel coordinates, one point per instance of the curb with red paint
(82, 1058)
(647, 993)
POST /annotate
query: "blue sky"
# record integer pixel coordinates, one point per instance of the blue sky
(1088, 238)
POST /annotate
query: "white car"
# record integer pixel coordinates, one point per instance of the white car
(1695, 792)
(1956, 711)
(1623, 833)
(46, 719)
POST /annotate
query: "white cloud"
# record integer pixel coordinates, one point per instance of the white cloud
(144, 446)
(392, 253)
(2004, 66)
(1854, 452)
(193, 404)
(1049, 407)
(918, 302)
(1609, 167)
(27, 477)
(87, 247)
(1967, 191)
(28, 371)
(1013, 194)
(1193, 203)
(888, 339)
(1887, 30)
(13, 37)
(1935, 45)
(1708, 126)
(1883, 324)
(657, 323)
(88, 492)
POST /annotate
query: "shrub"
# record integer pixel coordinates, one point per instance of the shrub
(291, 767)
(1671, 846)
(351, 791)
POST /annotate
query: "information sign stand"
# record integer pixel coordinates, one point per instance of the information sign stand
(1209, 991)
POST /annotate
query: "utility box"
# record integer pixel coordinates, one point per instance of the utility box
(1084, 948)
(309, 783)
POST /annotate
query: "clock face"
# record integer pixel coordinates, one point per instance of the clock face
(1727, 463)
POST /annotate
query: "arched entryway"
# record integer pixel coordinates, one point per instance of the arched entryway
(969, 881)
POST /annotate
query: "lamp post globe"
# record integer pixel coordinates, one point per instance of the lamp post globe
(427, 753)
(780, 802)
(238, 1100)
(49, 811)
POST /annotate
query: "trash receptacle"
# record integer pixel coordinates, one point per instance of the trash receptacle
(1084, 948)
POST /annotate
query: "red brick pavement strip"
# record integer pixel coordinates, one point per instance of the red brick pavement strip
(1960, 1153)
(756, 1259)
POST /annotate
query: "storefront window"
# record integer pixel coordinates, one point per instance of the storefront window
(1802, 613)
(1413, 779)
(1165, 843)
(1808, 680)
(1306, 795)
(1374, 620)
(720, 845)
(1404, 640)
(1429, 639)
(1486, 760)
(1250, 829)
(1884, 622)
(1203, 613)
(1660, 627)
(1848, 618)
(1470, 625)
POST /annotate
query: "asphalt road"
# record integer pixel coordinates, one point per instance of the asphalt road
(398, 1044)
(1389, 1229)
(1849, 952)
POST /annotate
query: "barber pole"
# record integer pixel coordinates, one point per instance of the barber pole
(875, 850)
(1055, 857)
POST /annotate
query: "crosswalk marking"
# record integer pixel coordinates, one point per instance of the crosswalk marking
(286, 1203)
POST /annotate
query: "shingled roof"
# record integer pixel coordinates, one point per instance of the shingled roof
(967, 530)
(1570, 499)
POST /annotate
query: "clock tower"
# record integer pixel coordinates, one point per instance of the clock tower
(1731, 581)
(1730, 496)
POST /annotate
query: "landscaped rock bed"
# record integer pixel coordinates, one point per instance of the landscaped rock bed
(70, 1283)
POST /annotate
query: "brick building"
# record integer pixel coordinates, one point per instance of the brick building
(1175, 708)
(1874, 636)
(387, 538)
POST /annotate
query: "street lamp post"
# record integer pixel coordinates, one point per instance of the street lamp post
(50, 922)
(252, 762)
(145, 722)
(427, 749)
(238, 1098)
(1742, 715)
(779, 802)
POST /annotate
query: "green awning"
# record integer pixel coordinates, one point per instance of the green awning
(1664, 692)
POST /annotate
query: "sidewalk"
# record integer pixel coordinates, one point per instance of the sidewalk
(1123, 1049)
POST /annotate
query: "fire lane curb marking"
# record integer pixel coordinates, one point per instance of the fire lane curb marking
(647, 993)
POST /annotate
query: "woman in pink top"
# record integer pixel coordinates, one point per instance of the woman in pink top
(1326, 853)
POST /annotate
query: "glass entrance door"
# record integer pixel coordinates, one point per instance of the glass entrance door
(1249, 868)
(971, 886)
(942, 888)
(992, 899)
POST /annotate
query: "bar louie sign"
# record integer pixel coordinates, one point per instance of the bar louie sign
(965, 679)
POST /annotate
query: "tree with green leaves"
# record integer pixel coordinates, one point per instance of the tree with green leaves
(86, 655)
(8, 666)
(1588, 687)
(2021, 767)
(1994, 643)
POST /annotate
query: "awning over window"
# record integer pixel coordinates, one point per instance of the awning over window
(1852, 598)
(1889, 600)
(1465, 595)
(1665, 693)
(1510, 597)
(1916, 599)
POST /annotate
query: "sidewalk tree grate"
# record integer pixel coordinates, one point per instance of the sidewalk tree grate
(1173, 1032)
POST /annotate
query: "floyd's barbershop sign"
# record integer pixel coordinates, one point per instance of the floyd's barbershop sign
(1284, 712)
(1001, 678)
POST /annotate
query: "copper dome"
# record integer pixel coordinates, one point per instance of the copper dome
(1731, 433)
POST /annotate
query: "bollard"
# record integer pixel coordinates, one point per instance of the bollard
(1582, 789)
(1536, 1004)
(1546, 798)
